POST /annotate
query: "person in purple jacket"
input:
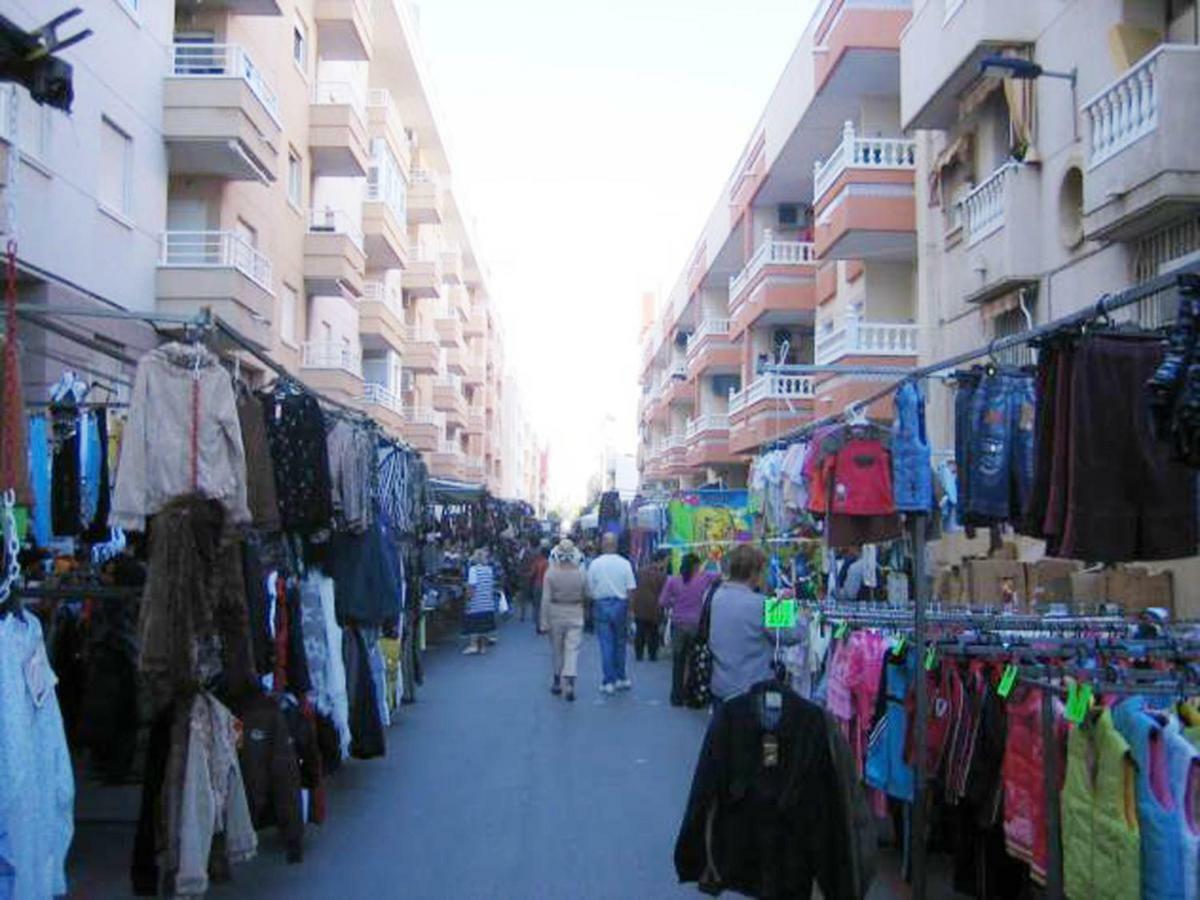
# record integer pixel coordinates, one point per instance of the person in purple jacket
(683, 597)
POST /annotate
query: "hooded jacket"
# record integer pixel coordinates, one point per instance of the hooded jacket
(183, 436)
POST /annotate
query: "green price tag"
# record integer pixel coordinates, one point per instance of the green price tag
(779, 613)
(1079, 701)
(898, 647)
(930, 658)
(1007, 680)
(842, 630)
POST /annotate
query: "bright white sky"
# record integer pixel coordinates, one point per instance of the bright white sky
(590, 140)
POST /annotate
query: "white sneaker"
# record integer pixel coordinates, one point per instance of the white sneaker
(470, 649)
(624, 684)
(607, 689)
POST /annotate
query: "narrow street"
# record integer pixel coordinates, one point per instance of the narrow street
(491, 788)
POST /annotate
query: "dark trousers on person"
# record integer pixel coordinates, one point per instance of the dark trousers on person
(682, 638)
(645, 639)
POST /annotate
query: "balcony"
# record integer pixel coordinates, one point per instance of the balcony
(220, 117)
(858, 35)
(771, 407)
(456, 363)
(385, 219)
(864, 199)
(869, 342)
(476, 324)
(448, 398)
(1143, 159)
(475, 472)
(1000, 224)
(707, 441)
(776, 282)
(424, 428)
(673, 454)
(337, 131)
(424, 276)
(343, 29)
(476, 420)
(385, 407)
(219, 270)
(334, 259)
(422, 353)
(334, 368)
(425, 198)
(452, 265)
(449, 331)
(943, 45)
(710, 349)
(381, 318)
(384, 123)
(676, 389)
(448, 461)
(230, 7)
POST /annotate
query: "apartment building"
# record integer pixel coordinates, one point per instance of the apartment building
(1036, 197)
(280, 163)
(808, 257)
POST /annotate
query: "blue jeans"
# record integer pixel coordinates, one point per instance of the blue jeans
(612, 625)
(1000, 448)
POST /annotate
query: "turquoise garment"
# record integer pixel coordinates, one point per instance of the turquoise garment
(1162, 837)
(91, 455)
(886, 767)
(39, 479)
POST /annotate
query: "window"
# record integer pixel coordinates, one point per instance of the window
(300, 45)
(33, 128)
(1011, 322)
(116, 168)
(295, 179)
(288, 303)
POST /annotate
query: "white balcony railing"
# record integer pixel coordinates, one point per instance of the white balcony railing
(328, 220)
(224, 61)
(451, 381)
(420, 334)
(1124, 111)
(340, 93)
(710, 422)
(856, 152)
(773, 387)
(771, 253)
(379, 395)
(391, 298)
(215, 250)
(385, 182)
(452, 449)
(706, 332)
(425, 176)
(858, 338)
(675, 441)
(425, 416)
(983, 208)
(332, 355)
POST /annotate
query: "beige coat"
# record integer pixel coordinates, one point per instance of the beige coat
(173, 384)
(562, 616)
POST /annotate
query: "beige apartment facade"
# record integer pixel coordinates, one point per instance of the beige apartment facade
(295, 182)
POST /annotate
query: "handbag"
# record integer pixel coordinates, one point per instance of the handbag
(698, 685)
(502, 604)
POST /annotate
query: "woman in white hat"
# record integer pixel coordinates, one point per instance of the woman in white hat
(562, 614)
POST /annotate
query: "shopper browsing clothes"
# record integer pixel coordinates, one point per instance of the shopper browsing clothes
(683, 597)
(743, 648)
(610, 584)
(561, 614)
(479, 617)
(647, 616)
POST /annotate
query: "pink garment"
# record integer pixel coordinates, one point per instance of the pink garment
(837, 690)
(853, 683)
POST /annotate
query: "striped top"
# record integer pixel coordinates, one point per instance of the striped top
(483, 590)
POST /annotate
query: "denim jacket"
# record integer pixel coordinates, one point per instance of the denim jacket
(912, 472)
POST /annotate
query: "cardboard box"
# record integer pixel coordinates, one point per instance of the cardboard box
(1049, 580)
(1131, 587)
(997, 582)
(950, 588)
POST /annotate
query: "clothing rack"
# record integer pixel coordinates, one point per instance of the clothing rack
(733, 542)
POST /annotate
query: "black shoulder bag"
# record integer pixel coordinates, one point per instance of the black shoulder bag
(698, 686)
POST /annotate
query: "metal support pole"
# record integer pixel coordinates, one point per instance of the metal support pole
(919, 836)
(1054, 873)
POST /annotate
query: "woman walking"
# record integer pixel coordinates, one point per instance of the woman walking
(479, 618)
(562, 614)
(683, 596)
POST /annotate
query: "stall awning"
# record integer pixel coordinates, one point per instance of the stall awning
(448, 492)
